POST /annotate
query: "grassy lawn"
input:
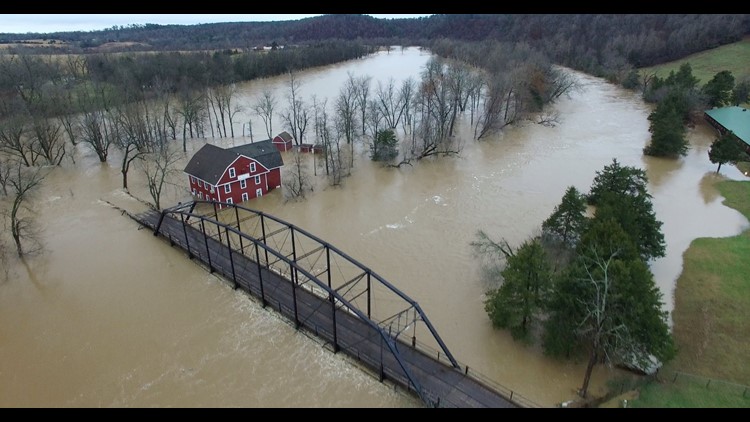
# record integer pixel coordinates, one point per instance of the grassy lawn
(711, 317)
(686, 396)
(734, 57)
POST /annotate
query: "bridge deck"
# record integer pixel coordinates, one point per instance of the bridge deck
(445, 385)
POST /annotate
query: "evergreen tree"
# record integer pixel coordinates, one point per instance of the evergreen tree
(726, 149)
(568, 220)
(384, 146)
(526, 282)
(667, 132)
(718, 90)
(619, 179)
(607, 305)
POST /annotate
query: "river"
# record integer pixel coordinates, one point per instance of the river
(107, 316)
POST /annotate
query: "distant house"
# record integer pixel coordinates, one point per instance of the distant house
(283, 141)
(734, 119)
(236, 174)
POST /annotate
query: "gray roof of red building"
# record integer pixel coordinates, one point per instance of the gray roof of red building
(210, 162)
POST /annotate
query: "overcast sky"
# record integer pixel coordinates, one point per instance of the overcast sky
(41, 23)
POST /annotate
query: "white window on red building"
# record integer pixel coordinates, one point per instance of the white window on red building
(231, 172)
(230, 201)
(228, 188)
(244, 197)
(252, 167)
(257, 180)
(243, 184)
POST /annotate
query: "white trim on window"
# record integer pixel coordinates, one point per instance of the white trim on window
(252, 167)
(228, 188)
(232, 173)
(257, 180)
(245, 197)
(243, 184)
(200, 195)
(230, 201)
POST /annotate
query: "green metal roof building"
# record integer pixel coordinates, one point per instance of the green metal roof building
(735, 119)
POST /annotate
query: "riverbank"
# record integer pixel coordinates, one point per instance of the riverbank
(710, 318)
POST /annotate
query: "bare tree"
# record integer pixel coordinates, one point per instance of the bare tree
(363, 94)
(474, 90)
(296, 179)
(457, 79)
(374, 118)
(158, 167)
(135, 135)
(432, 117)
(330, 137)
(210, 108)
(47, 141)
(390, 102)
(500, 107)
(65, 106)
(13, 139)
(5, 167)
(223, 96)
(293, 113)
(264, 106)
(97, 132)
(321, 117)
(406, 98)
(346, 117)
(23, 182)
(192, 108)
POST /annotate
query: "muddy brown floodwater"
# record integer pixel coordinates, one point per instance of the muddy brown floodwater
(109, 316)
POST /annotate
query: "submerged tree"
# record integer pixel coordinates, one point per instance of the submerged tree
(263, 107)
(519, 301)
(158, 167)
(384, 146)
(667, 132)
(607, 305)
(23, 182)
(620, 192)
(568, 220)
(296, 179)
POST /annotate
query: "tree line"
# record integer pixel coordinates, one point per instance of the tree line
(606, 45)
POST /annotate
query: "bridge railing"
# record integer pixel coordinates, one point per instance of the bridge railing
(508, 393)
(277, 258)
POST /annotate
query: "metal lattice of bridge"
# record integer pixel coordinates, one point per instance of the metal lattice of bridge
(323, 290)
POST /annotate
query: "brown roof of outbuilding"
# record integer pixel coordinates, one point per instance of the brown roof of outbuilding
(285, 136)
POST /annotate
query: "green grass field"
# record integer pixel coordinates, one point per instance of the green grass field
(711, 318)
(734, 57)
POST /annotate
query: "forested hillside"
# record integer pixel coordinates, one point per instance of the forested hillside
(594, 43)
